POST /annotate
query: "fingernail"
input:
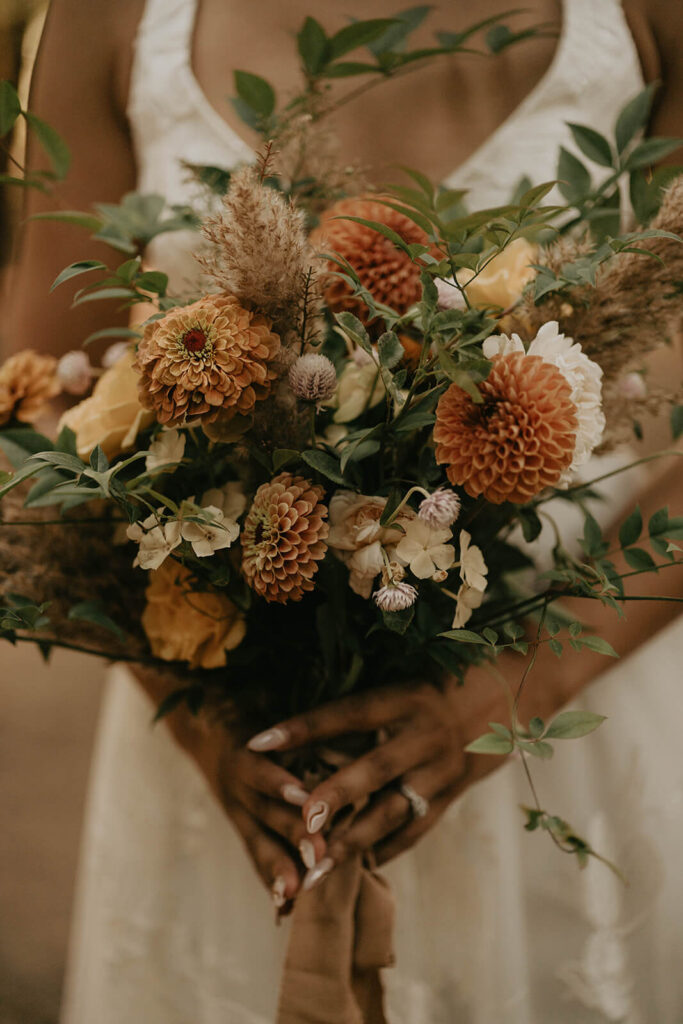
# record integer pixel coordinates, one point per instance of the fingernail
(271, 739)
(278, 892)
(294, 794)
(315, 875)
(307, 851)
(317, 816)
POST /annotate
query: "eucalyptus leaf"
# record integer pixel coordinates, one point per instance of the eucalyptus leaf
(490, 743)
(569, 725)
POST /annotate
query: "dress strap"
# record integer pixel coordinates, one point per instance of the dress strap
(161, 49)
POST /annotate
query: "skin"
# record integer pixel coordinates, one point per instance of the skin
(429, 728)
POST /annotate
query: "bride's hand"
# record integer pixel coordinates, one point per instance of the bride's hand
(427, 728)
(261, 798)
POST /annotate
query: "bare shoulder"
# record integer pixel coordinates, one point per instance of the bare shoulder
(657, 27)
(91, 42)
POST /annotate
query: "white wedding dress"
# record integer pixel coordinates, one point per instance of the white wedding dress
(495, 926)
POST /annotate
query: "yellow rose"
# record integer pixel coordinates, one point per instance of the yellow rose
(182, 625)
(503, 280)
(112, 416)
(359, 387)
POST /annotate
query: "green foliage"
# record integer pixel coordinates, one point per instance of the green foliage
(569, 725)
(93, 612)
(10, 107)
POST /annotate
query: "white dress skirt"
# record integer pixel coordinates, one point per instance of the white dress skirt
(172, 926)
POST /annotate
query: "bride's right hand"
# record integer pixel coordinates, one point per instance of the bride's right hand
(262, 799)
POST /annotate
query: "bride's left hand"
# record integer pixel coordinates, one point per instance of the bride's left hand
(428, 729)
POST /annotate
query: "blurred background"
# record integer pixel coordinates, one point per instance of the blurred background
(47, 720)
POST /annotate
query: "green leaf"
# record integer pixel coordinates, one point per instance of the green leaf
(398, 622)
(464, 636)
(597, 644)
(490, 743)
(592, 144)
(571, 725)
(531, 523)
(256, 92)
(360, 33)
(574, 179)
(60, 459)
(537, 749)
(53, 144)
(390, 350)
(193, 696)
(658, 522)
(677, 422)
(98, 460)
(92, 611)
(312, 45)
(500, 730)
(651, 151)
(75, 217)
(112, 332)
(325, 464)
(352, 326)
(639, 559)
(536, 727)
(634, 116)
(19, 443)
(556, 647)
(281, 456)
(10, 107)
(592, 536)
(349, 68)
(490, 635)
(103, 294)
(74, 269)
(631, 528)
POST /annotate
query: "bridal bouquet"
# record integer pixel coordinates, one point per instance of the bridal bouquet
(328, 467)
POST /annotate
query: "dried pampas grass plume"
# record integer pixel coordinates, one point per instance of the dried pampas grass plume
(260, 253)
(635, 308)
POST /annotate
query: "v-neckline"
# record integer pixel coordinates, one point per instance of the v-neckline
(206, 108)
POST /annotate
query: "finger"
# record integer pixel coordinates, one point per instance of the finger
(269, 856)
(391, 810)
(286, 822)
(406, 837)
(270, 779)
(362, 712)
(356, 782)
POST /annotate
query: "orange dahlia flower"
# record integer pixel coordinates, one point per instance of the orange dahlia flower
(283, 538)
(388, 274)
(518, 440)
(208, 359)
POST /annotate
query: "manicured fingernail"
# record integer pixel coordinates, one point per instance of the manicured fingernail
(317, 816)
(294, 794)
(271, 739)
(278, 892)
(316, 874)
(307, 851)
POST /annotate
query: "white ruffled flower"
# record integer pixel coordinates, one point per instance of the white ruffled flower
(581, 373)
(467, 599)
(75, 372)
(424, 549)
(212, 534)
(473, 568)
(156, 540)
(167, 449)
(395, 597)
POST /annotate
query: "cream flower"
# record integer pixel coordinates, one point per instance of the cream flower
(212, 534)
(581, 373)
(75, 372)
(358, 387)
(167, 449)
(395, 597)
(230, 499)
(156, 540)
(112, 415)
(357, 538)
(473, 568)
(504, 278)
(450, 296)
(467, 599)
(424, 549)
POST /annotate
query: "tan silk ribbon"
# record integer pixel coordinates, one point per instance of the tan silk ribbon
(341, 936)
